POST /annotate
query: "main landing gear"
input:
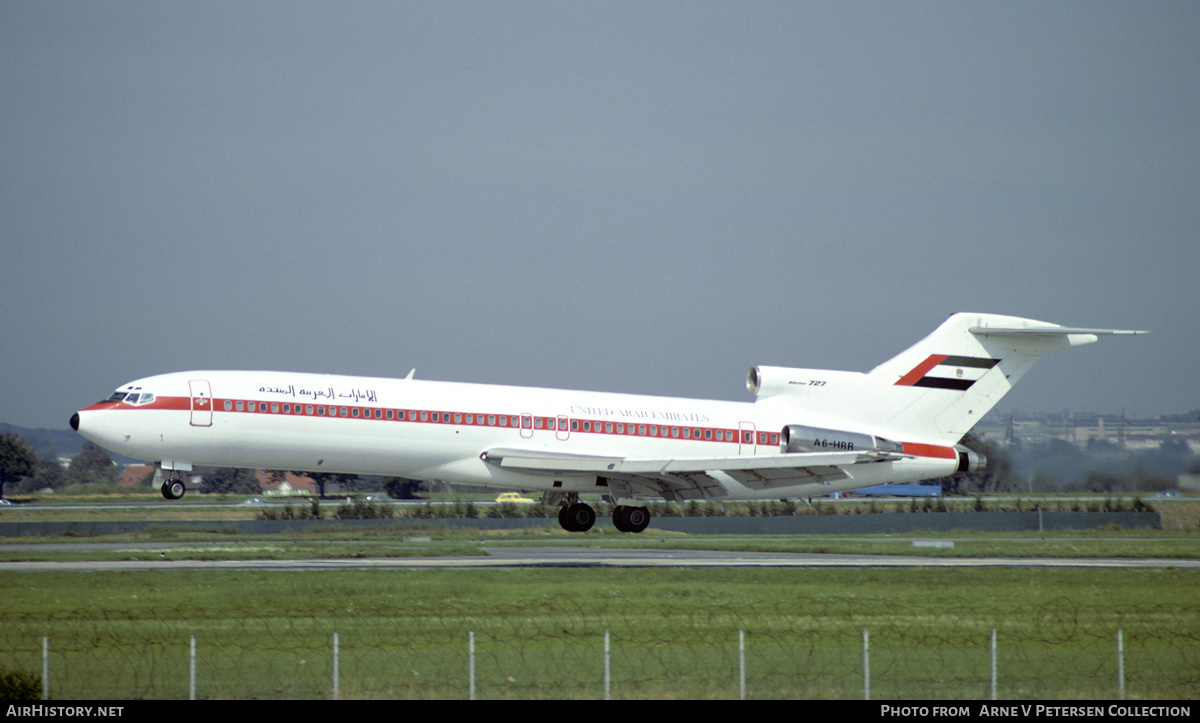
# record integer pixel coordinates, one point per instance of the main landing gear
(173, 488)
(576, 516)
(630, 519)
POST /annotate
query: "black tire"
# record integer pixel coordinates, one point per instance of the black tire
(619, 520)
(636, 519)
(581, 517)
(564, 518)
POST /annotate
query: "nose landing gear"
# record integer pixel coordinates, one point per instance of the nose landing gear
(173, 488)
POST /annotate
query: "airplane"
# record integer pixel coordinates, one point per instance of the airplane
(808, 432)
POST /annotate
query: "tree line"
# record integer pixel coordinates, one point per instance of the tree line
(22, 471)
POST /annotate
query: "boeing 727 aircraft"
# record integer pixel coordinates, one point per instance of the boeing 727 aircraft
(808, 432)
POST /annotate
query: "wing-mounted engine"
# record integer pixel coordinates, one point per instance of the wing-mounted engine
(798, 438)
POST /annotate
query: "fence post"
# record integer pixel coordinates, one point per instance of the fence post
(471, 665)
(866, 665)
(1120, 664)
(607, 667)
(335, 666)
(741, 665)
(45, 667)
(993, 664)
(192, 668)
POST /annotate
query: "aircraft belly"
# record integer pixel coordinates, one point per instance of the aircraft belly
(476, 471)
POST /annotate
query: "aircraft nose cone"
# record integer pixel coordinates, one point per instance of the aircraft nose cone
(75, 421)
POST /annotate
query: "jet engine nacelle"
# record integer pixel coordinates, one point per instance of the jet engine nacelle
(969, 461)
(801, 438)
(763, 381)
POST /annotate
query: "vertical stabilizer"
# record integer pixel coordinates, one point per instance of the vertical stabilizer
(942, 385)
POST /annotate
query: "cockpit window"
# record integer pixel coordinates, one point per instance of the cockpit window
(135, 397)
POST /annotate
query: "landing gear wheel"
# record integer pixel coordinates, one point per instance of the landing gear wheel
(577, 517)
(631, 519)
(173, 489)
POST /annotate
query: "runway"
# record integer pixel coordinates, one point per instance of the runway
(579, 557)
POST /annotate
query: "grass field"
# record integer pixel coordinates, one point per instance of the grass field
(539, 633)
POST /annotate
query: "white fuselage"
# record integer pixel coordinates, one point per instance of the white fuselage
(439, 430)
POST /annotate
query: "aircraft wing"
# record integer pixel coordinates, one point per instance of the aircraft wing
(691, 478)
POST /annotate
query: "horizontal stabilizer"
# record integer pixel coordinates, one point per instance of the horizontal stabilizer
(1050, 331)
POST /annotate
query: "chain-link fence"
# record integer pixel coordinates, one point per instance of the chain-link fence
(595, 649)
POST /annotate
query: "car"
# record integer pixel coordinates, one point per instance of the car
(514, 498)
(5, 502)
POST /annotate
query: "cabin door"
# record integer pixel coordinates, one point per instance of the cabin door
(202, 403)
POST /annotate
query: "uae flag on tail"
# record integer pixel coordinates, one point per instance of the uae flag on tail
(941, 371)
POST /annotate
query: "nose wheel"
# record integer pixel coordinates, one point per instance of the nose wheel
(173, 489)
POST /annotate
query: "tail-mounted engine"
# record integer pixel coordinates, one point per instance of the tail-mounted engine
(969, 461)
(800, 438)
(764, 382)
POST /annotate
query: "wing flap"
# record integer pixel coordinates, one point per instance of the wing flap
(689, 478)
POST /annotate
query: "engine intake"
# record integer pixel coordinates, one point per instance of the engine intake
(802, 439)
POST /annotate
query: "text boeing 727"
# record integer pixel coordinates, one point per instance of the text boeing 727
(808, 432)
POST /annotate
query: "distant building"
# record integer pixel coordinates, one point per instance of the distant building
(285, 484)
(133, 475)
(1082, 428)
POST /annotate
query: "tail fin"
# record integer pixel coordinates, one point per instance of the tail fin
(942, 385)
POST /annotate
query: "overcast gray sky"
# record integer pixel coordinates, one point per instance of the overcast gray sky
(642, 197)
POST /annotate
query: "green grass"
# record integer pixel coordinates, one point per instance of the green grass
(539, 633)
